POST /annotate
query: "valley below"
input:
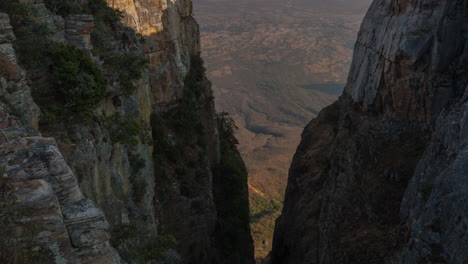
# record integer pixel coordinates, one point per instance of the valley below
(274, 65)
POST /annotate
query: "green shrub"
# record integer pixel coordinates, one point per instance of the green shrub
(32, 36)
(230, 192)
(105, 39)
(102, 12)
(120, 233)
(156, 248)
(195, 77)
(78, 84)
(184, 119)
(227, 128)
(122, 129)
(128, 68)
(16, 10)
(135, 244)
(261, 207)
(64, 7)
(98, 8)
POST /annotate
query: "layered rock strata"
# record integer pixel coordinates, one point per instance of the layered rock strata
(158, 181)
(68, 225)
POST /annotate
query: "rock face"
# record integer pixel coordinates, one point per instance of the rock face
(70, 226)
(381, 175)
(147, 159)
(171, 37)
(14, 88)
(185, 204)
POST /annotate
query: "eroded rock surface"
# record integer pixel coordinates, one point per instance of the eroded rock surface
(148, 153)
(70, 226)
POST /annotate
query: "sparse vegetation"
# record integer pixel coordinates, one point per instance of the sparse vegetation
(135, 244)
(262, 206)
(78, 84)
(230, 192)
(122, 129)
(184, 119)
(98, 8)
(194, 80)
(128, 68)
(32, 36)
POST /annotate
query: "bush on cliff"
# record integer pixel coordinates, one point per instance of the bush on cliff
(122, 129)
(136, 245)
(231, 193)
(194, 85)
(32, 35)
(97, 8)
(128, 69)
(77, 82)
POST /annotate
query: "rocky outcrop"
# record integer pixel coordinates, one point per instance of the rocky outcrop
(186, 167)
(15, 92)
(147, 152)
(171, 37)
(68, 225)
(380, 177)
(78, 29)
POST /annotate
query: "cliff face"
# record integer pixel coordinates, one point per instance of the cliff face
(68, 226)
(145, 148)
(171, 38)
(380, 176)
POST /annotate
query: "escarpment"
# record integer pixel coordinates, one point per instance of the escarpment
(109, 128)
(381, 175)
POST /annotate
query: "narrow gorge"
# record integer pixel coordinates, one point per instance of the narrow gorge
(112, 150)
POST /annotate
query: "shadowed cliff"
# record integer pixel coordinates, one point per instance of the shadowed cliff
(381, 175)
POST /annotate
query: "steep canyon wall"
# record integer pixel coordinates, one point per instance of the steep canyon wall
(381, 175)
(147, 153)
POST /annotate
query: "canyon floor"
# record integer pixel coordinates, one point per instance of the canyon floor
(274, 65)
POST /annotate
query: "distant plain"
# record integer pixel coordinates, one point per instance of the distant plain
(274, 65)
